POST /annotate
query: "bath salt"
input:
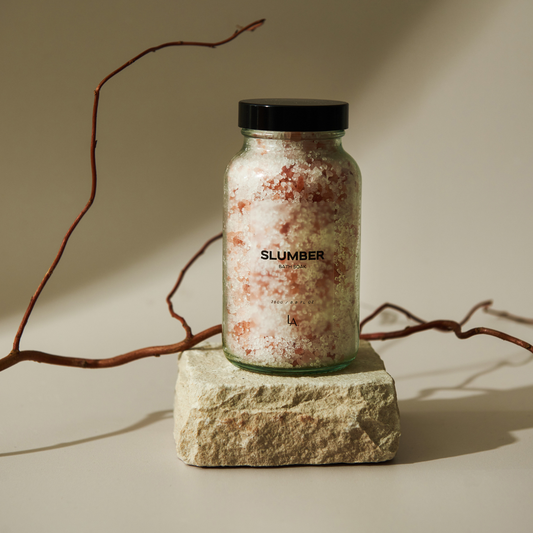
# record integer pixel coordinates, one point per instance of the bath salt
(291, 240)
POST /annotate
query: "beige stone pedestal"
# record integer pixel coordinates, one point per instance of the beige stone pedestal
(225, 416)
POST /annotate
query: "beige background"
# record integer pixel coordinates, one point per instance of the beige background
(441, 114)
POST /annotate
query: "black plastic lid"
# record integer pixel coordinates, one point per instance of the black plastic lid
(293, 114)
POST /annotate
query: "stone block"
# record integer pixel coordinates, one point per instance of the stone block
(225, 416)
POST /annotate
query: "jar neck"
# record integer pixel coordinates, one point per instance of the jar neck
(293, 135)
(293, 140)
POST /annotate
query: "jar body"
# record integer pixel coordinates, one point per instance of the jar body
(291, 253)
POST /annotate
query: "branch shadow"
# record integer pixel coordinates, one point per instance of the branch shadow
(441, 428)
(432, 429)
(148, 420)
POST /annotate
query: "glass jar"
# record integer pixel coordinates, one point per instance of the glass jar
(291, 240)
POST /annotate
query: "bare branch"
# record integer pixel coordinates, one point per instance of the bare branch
(482, 305)
(35, 297)
(442, 325)
(382, 308)
(186, 326)
(153, 351)
(509, 316)
(17, 356)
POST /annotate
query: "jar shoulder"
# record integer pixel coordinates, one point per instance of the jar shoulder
(258, 163)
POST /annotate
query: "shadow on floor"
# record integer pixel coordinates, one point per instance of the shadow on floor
(431, 428)
(148, 420)
(439, 428)
(437, 434)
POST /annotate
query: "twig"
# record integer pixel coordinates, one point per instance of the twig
(17, 356)
(186, 326)
(35, 297)
(152, 351)
(382, 308)
(509, 316)
(485, 304)
(441, 325)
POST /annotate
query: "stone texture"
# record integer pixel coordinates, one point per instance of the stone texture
(225, 416)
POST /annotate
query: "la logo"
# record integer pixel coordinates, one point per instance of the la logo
(291, 322)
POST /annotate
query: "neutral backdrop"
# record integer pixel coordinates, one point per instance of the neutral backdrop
(441, 121)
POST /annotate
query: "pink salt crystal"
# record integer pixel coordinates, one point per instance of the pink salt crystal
(294, 195)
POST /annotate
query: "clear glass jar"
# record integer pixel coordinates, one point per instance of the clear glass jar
(291, 240)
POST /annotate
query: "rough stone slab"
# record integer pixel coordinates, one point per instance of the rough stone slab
(225, 416)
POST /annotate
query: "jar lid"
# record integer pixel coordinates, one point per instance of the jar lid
(293, 114)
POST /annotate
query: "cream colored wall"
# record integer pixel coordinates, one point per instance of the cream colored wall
(441, 114)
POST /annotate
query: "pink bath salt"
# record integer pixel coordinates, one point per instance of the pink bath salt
(291, 256)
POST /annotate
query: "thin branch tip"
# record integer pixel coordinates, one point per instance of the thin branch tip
(50, 271)
(256, 25)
